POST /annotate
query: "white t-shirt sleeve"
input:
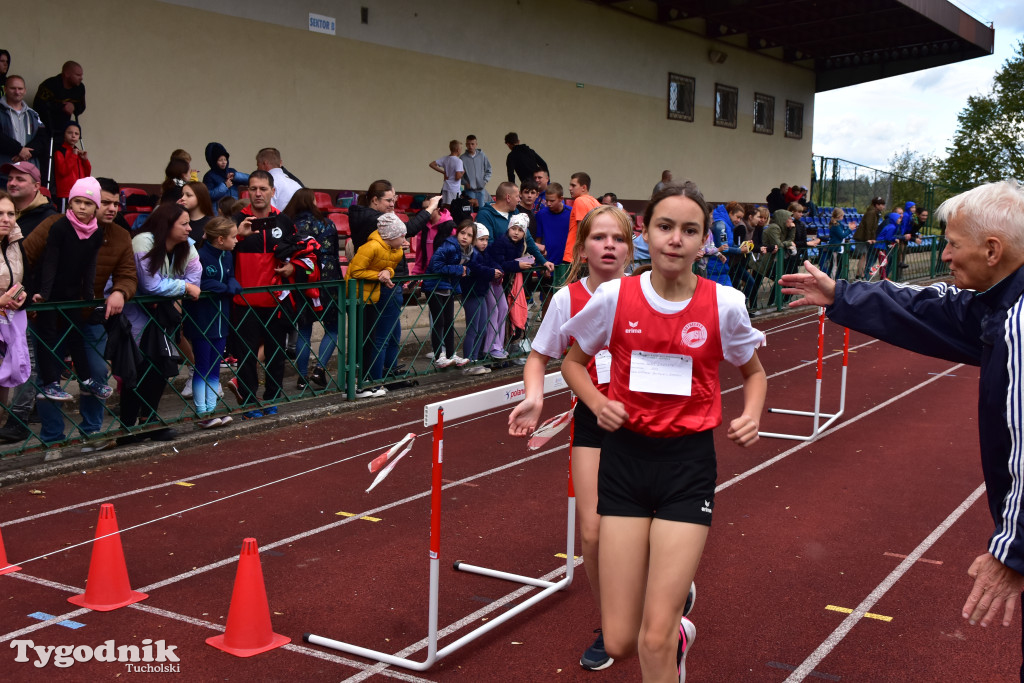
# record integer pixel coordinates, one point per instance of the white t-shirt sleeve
(550, 339)
(592, 327)
(739, 338)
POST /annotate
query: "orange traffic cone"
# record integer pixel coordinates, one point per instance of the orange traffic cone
(5, 568)
(107, 587)
(249, 632)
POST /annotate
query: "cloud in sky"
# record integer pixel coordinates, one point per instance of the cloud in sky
(867, 123)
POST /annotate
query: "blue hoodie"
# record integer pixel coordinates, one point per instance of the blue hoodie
(503, 252)
(907, 225)
(210, 317)
(448, 262)
(481, 273)
(721, 233)
(888, 232)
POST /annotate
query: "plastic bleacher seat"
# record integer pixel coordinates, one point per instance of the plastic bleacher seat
(403, 202)
(126, 192)
(130, 218)
(340, 221)
(243, 194)
(323, 201)
(404, 216)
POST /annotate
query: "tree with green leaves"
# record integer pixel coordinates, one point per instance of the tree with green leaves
(989, 141)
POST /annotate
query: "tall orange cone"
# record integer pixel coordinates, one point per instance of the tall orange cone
(249, 632)
(5, 568)
(108, 587)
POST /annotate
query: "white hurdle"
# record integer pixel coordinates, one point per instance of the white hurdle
(819, 427)
(434, 415)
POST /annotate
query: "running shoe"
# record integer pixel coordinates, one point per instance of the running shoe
(687, 634)
(53, 392)
(477, 370)
(498, 355)
(101, 445)
(270, 410)
(226, 419)
(186, 391)
(372, 392)
(101, 391)
(252, 414)
(209, 423)
(458, 360)
(442, 362)
(233, 386)
(318, 377)
(595, 658)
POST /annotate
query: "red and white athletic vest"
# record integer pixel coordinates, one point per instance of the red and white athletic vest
(579, 295)
(692, 332)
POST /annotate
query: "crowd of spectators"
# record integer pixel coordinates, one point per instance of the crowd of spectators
(213, 250)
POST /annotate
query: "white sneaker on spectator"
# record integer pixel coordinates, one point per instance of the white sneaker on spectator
(477, 370)
(442, 362)
(498, 355)
(186, 391)
(458, 360)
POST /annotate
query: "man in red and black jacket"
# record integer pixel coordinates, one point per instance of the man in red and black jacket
(262, 259)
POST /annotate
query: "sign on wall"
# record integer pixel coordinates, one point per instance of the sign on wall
(318, 23)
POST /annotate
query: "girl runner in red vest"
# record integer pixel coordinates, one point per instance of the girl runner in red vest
(666, 331)
(603, 248)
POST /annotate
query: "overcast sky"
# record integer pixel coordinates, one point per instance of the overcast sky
(867, 123)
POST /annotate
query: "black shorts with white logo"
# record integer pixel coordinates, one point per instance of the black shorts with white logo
(585, 432)
(671, 478)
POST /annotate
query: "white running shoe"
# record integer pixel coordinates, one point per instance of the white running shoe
(458, 360)
(186, 391)
(441, 362)
(687, 634)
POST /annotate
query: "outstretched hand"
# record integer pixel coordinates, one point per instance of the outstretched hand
(995, 593)
(813, 287)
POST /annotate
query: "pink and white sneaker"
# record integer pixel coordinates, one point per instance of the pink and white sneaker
(687, 634)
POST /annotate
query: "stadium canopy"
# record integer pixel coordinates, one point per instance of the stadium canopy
(845, 42)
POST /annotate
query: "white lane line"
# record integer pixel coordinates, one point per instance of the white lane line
(803, 444)
(202, 623)
(849, 622)
(461, 623)
(114, 496)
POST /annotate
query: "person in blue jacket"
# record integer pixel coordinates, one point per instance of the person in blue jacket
(450, 260)
(976, 321)
(475, 287)
(222, 180)
(888, 234)
(208, 320)
(838, 234)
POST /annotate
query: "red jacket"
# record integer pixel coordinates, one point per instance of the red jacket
(69, 168)
(258, 254)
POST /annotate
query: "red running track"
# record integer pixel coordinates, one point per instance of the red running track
(799, 527)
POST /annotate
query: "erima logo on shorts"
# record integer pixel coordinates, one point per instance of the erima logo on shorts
(694, 335)
(633, 328)
(707, 507)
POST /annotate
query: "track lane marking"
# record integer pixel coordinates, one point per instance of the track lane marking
(848, 610)
(903, 557)
(822, 651)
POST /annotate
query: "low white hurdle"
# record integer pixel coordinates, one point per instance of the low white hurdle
(819, 427)
(434, 415)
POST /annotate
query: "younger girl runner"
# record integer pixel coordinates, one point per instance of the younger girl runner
(666, 331)
(603, 247)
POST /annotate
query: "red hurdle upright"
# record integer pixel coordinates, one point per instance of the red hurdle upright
(819, 427)
(435, 415)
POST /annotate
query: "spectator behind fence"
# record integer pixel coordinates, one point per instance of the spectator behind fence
(22, 135)
(261, 259)
(864, 236)
(477, 173)
(553, 223)
(195, 199)
(371, 269)
(451, 167)
(451, 262)
(838, 233)
(70, 163)
(776, 199)
(23, 185)
(16, 366)
(475, 288)
(380, 198)
(67, 272)
(495, 217)
(521, 160)
(208, 320)
(221, 180)
(310, 223)
(59, 99)
(5, 66)
(116, 282)
(582, 203)
(167, 266)
(666, 177)
(285, 184)
(504, 253)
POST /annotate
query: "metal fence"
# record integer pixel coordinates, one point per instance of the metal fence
(361, 345)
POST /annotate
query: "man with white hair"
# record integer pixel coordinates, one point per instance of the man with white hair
(979, 321)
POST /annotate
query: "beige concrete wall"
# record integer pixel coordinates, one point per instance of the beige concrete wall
(346, 110)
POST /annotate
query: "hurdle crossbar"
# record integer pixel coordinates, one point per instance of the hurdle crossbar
(830, 418)
(434, 415)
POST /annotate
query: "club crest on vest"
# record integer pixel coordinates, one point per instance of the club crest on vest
(694, 335)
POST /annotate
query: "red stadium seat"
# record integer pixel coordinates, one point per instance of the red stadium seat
(145, 206)
(403, 216)
(243, 194)
(340, 221)
(403, 202)
(323, 201)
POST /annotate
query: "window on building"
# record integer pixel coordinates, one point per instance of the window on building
(764, 114)
(680, 97)
(794, 120)
(726, 98)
